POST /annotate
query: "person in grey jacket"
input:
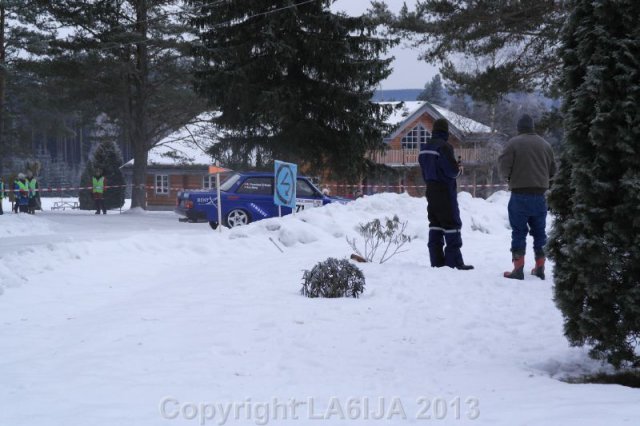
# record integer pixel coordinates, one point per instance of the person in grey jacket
(528, 164)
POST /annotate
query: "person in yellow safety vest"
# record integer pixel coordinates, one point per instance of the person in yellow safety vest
(2, 194)
(97, 188)
(21, 190)
(32, 183)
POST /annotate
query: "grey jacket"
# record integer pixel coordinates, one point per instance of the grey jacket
(527, 163)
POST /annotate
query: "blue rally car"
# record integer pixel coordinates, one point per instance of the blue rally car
(246, 197)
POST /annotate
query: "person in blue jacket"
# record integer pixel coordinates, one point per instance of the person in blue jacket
(440, 170)
(21, 191)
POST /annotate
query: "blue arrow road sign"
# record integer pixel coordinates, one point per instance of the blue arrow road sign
(285, 175)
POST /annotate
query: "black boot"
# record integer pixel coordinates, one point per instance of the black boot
(464, 267)
(452, 253)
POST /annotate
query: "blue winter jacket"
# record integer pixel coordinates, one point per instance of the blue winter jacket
(437, 161)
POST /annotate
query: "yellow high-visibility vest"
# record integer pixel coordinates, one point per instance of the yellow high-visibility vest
(98, 185)
(33, 187)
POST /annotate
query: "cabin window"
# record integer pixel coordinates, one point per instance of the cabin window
(415, 137)
(162, 184)
(209, 181)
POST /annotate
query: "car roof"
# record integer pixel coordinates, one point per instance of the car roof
(252, 173)
(268, 174)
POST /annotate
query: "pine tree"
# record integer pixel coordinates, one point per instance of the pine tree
(23, 32)
(294, 80)
(131, 60)
(510, 45)
(106, 157)
(596, 198)
(433, 92)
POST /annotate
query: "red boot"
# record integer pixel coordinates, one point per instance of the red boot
(518, 268)
(538, 271)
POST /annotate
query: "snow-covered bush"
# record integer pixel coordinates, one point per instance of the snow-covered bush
(333, 278)
(389, 236)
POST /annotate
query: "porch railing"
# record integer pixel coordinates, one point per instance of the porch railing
(409, 157)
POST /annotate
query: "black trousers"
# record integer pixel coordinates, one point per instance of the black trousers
(100, 205)
(442, 206)
(33, 204)
(445, 239)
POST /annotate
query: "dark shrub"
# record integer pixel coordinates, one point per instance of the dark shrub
(595, 241)
(333, 278)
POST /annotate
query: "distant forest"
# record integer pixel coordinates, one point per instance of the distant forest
(396, 95)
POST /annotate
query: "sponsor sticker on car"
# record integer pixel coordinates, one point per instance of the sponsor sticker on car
(303, 203)
(257, 209)
(205, 201)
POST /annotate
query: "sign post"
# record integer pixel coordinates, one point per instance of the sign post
(285, 185)
(217, 170)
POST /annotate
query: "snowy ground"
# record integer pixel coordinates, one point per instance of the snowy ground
(137, 319)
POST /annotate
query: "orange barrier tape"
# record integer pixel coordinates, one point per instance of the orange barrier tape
(66, 188)
(152, 187)
(498, 185)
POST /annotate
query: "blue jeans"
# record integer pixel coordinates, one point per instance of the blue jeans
(527, 215)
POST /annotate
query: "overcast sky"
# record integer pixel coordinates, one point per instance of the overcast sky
(408, 71)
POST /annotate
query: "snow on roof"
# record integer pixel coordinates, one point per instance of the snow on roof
(465, 124)
(401, 114)
(409, 108)
(186, 146)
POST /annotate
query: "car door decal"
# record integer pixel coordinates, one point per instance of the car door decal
(258, 210)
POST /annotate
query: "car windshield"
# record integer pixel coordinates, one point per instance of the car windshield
(227, 184)
(306, 189)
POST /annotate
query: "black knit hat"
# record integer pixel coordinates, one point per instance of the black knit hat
(440, 125)
(525, 124)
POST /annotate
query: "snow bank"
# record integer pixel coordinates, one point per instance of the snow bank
(21, 225)
(342, 220)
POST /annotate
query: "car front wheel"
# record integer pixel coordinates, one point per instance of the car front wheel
(237, 217)
(213, 225)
